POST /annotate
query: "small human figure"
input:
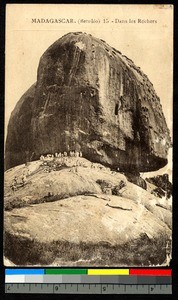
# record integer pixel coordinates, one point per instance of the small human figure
(23, 178)
(28, 172)
(13, 187)
(80, 154)
(15, 180)
(65, 154)
(56, 155)
(62, 159)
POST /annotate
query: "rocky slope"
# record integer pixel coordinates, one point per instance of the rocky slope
(89, 97)
(82, 214)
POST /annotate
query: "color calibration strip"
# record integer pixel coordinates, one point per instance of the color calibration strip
(113, 276)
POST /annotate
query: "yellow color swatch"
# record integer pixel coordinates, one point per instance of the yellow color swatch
(108, 271)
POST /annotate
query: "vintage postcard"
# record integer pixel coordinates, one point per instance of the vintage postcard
(88, 135)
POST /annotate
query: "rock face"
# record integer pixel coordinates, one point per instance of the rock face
(68, 217)
(92, 222)
(89, 97)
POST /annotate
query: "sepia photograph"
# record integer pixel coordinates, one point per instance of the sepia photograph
(88, 135)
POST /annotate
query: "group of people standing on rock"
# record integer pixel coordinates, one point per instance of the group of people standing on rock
(20, 181)
(60, 155)
(54, 162)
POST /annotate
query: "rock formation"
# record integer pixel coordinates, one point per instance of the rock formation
(89, 96)
(67, 217)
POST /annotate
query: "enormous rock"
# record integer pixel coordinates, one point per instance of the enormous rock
(89, 96)
(85, 228)
(67, 216)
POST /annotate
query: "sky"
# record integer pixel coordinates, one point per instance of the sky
(149, 45)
